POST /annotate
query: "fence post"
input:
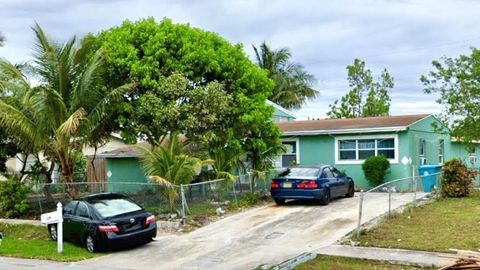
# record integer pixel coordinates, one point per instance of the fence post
(389, 201)
(414, 191)
(360, 213)
(182, 194)
(234, 192)
(250, 179)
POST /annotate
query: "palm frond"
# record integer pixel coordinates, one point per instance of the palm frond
(97, 114)
(161, 181)
(13, 73)
(18, 124)
(84, 89)
(70, 126)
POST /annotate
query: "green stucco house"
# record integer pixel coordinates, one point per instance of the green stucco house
(408, 141)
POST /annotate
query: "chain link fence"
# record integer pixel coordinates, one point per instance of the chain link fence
(175, 200)
(396, 193)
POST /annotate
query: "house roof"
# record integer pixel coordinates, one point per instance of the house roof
(351, 125)
(124, 152)
(280, 108)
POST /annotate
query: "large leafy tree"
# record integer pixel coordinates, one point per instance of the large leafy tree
(367, 96)
(212, 93)
(65, 110)
(293, 84)
(456, 81)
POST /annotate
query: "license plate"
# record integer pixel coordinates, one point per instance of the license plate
(287, 185)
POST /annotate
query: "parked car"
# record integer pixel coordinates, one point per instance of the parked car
(322, 183)
(106, 221)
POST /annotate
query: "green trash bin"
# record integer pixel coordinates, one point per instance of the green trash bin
(429, 174)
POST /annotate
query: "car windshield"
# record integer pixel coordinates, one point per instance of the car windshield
(300, 172)
(114, 207)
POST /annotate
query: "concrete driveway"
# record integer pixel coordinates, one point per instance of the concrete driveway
(258, 236)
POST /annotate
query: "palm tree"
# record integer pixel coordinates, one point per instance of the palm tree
(65, 110)
(168, 165)
(293, 85)
(2, 39)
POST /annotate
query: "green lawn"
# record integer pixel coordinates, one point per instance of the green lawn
(437, 226)
(342, 263)
(33, 242)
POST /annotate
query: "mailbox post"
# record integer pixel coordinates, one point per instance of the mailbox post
(59, 228)
(55, 218)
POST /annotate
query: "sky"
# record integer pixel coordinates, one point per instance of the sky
(324, 36)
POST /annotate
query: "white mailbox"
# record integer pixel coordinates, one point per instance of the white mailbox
(50, 218)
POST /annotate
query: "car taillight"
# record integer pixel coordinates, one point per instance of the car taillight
(307, 184)
(108, 228)
(274, 184)
(150, 219)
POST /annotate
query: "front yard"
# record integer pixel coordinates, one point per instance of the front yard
(341, 263)
(437, 226)
(33, 242)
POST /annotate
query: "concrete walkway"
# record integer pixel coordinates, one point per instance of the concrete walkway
(397, 256)
(21, 221)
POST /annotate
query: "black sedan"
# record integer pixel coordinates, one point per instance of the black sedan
(106, 221)
(320, 183)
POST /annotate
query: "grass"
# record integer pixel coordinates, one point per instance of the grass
(342, 263)
(437, 226)
(33, 242)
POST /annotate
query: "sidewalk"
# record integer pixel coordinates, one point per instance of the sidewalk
(397, 256)
(21, 221)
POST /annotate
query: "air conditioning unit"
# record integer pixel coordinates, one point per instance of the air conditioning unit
(472, 159)
(423, 161)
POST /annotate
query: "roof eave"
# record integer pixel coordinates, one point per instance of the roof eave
(280, 108)
(344, 131)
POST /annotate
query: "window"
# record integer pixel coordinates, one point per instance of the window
(82, 210)
(69, 208)
(289, 158)
(114, 207)
(421, 147)
(348, 150)
(440, 151)
(300, 172)
(357, 150)
(327, 173)
(336, 173)
(472, 151)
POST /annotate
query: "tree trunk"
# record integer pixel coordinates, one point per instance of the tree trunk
(67, 178)
(46, 187)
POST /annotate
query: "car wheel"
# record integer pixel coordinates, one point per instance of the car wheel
(90, 244)
(351, 191)
(325, 197)
(52, 230)
(279, 201)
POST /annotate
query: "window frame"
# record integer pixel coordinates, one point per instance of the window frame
(365, 137)
(441, 151)
(297, 151)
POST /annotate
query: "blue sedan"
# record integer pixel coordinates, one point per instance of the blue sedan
(320, 183)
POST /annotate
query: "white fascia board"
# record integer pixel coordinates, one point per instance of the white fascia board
(280, 108)
(343, 131)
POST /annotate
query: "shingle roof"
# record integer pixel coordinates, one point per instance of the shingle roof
(382, 123)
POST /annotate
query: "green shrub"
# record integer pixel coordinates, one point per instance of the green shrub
(457, 180)
(375, 168)
(248, 199)
(13, 198)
